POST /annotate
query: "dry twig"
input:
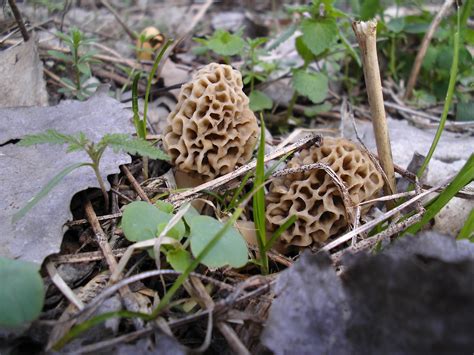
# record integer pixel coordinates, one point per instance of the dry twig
(366, 33)
(424, 47)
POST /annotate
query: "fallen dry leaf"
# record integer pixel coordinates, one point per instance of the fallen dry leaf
(25, 170)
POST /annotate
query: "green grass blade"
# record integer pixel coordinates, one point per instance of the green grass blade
(280, 231)
(448, 101)
(136, 114)
(150, 79)
(81, 328)
(464, 177)
(235, 197)
(45, 190)
(259, 200)
(467, 231)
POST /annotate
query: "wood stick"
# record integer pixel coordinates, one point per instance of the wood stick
(415, 70)
(366, 33)
(19, 20)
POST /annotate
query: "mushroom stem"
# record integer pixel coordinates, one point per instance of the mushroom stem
(366, 33)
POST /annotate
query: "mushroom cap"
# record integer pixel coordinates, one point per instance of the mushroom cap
(314, 197)
(211, 130)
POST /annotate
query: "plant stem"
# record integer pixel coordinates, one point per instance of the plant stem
(77, 73)
(147, 97)
(19, 20)
(447, 102)
(95, 167)
(366, 33)
(289, 111)
(424, 47)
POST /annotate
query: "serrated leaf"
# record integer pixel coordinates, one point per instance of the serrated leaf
(231, 248)
(319, 35)
(312, 85)
(283, 37)
(179, 259)
(225, 43)
(21, 294)
(260, 101)
(133, 146)
(51, 136)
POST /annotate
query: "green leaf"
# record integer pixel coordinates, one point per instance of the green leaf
(179, 259)
(319, 35)
(312, 85)
(49, 137)
(141, 220)
(289, 222)
(396, 24)
(133, 146)
(21, 293)
(224, 43)
(177, 232)
(164, 206)
(464, 177)
(45, 190)
(85, 69)
(467, 231)
(258, 200)
(283, 37)
(430, 58)
(312, 111)
(259, 101)
(60, 55)
(231, 248)
(465, 111)
(303, 50)
(369, 8)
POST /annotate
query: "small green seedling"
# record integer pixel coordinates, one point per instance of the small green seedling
(21, 294)
(95, 151)
(143, 221)
(79, 62)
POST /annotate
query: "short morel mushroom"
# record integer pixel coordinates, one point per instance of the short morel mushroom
(212, 129)
(315, 198)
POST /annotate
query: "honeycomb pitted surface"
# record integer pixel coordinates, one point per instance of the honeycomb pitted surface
(313, 196)
(212, 129)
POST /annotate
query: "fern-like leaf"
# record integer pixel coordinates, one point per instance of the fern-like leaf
(133, 146)
(51, 136)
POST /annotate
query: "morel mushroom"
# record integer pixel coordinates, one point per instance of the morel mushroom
(212, 129)
(314, 197)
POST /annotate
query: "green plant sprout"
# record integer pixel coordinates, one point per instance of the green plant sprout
(79, 62)
(143, 221)
(95, 151)
(212, 242)
(141, 124)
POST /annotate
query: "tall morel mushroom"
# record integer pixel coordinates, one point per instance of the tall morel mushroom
(314, 197)
(212, 129)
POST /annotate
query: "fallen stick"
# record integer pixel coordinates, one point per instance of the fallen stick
(366, 33)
